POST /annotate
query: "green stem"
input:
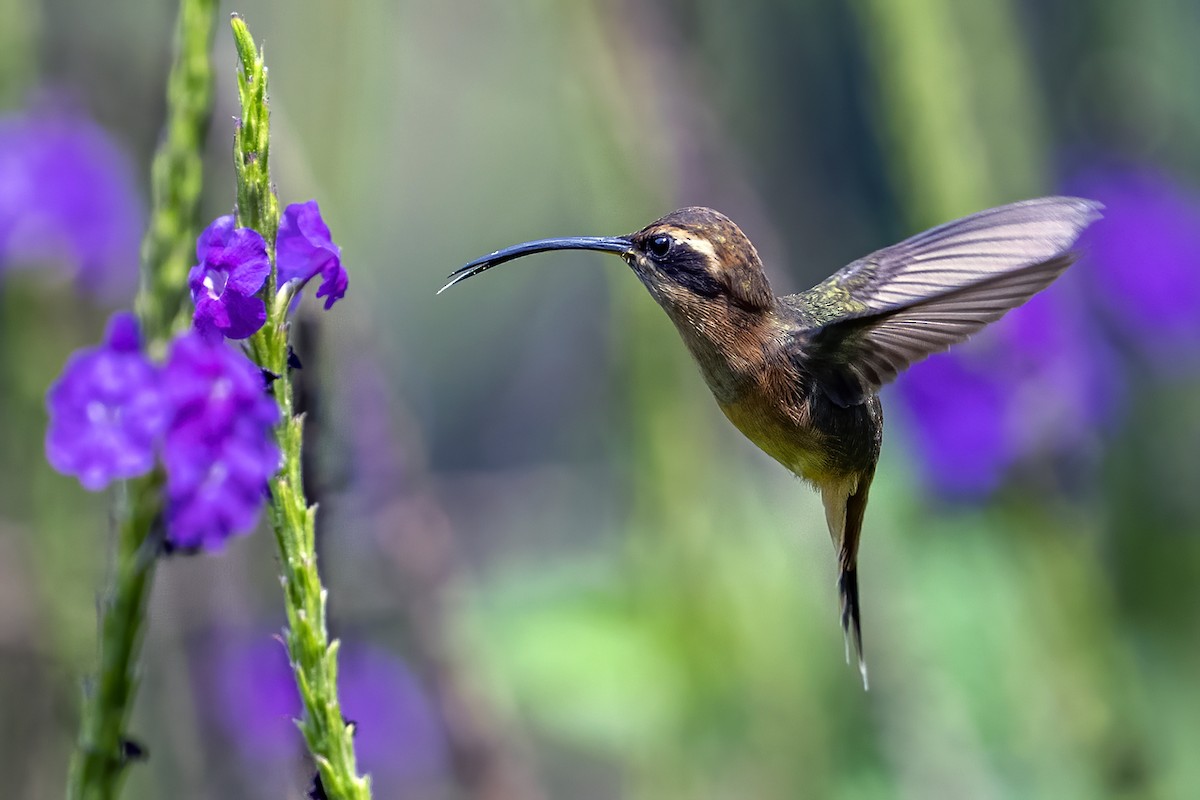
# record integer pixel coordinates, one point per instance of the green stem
(102, 751)
(956, 96)
(176, 178)
(313, 656)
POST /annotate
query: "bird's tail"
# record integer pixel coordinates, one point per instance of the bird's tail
(851, 619)
(845, 505)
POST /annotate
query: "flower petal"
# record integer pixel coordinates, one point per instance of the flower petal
(211, 317)
(212, 239)
(334, 282)
(249, 265)
(245, 315)
(122, 333)
(303, 246)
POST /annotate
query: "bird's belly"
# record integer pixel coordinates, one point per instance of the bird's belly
(784, 437)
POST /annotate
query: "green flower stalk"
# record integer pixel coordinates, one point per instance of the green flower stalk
(177, 178)
(312, 654)
(104, 747)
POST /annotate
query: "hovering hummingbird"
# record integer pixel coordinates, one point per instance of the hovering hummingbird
(800, 375)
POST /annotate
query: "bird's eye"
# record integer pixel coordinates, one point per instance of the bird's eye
(660, 245)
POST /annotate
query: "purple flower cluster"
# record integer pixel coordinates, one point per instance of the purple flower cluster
(218, 450)
(234, 265)
(205, 412)
(1045, 381)
(68, 197)
(1146, 261)
(1033, 387)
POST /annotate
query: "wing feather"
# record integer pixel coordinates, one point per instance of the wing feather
(933, 290)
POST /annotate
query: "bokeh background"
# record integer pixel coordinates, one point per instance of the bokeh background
(557, 571)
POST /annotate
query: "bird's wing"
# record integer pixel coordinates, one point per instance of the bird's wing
(876, 316)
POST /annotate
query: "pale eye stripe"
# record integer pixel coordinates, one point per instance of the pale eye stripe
(701, 246)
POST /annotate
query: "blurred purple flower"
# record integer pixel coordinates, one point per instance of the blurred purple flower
(233, 266)
(219, 448)
(1035, 386)
(67, 193)
(304, 249)
(398, 736)
(1145, 257)
(106, 410)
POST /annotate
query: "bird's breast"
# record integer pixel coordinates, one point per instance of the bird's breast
(757, 377)
(782, 430)
(787, 414)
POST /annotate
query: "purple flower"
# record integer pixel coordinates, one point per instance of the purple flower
(233, 266)
(106, 410)
(398, 731)
(67, 194)
(219, 448)
(304, 249)
(207, 408)
(1145, 258)
(957, 410)
(1035, 386)
(254, 696)
(398, 736)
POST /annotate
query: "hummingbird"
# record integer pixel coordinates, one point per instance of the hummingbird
(800, 375)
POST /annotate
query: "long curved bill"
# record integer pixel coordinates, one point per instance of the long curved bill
(604, 244)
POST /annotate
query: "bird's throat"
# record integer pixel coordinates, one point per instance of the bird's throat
(730, 346)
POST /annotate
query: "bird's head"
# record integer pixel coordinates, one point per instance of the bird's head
(695, 261)
(697, 257)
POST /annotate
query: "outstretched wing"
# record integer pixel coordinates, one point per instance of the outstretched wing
(903, 303)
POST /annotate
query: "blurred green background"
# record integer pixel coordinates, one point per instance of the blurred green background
(528, 498)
